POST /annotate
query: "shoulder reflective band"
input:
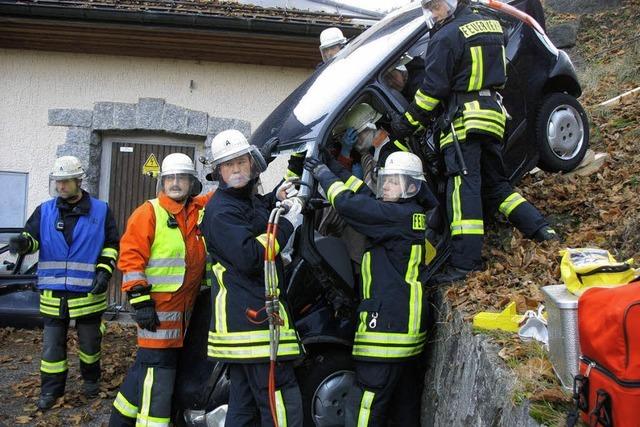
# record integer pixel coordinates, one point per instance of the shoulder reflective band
(415, 289)
(220, 301)
(477, 69)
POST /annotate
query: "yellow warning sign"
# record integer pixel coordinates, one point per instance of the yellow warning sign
(151, 166)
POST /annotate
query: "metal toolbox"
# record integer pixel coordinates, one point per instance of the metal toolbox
(562, 323)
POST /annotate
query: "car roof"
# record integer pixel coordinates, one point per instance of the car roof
(308, 109)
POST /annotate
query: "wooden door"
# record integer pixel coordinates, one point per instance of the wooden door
(129, 187)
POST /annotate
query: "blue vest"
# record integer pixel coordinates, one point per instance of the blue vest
(64, 268)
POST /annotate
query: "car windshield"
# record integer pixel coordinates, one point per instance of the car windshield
(304, 113)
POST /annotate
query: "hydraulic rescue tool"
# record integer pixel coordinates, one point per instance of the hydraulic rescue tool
(271, 305)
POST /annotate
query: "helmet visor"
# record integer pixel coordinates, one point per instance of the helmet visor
(329, 52)
(64, 187)
(236, 171)
(178, 186)
(394, 186)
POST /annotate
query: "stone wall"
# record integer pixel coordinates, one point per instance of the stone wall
(148, 114)
(467, 383)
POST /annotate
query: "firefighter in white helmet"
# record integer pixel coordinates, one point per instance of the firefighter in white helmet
(77, 237)
(391, 333)
(331, 41)
(234, 228)
(163, 261)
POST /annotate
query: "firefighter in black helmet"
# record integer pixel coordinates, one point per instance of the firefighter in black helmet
(464, 67)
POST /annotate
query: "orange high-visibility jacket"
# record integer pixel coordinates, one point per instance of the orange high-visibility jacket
(173, 308)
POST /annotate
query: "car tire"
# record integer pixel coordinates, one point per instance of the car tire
(324, 380)
(562, 133)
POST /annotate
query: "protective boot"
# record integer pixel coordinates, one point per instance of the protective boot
(90, 388)
(545, 233)
(449, 275)
(46, 401)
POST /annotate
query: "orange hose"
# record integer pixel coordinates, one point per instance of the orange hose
(272, 392)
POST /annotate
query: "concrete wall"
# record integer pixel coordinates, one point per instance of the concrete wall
(34, 82)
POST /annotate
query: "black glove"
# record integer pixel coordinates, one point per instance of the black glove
(145, 315)
(400, 126)
(147, 318)
(316, 167)
(100, 281)
(19, 245)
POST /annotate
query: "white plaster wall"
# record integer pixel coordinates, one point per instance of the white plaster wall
(32, 82)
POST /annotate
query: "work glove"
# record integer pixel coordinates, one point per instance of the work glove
(318, 169)
(400, 126)
(293, 212)
(19, 245)
(145, 308)
(287, 189)
(100, 281)
(348, 140)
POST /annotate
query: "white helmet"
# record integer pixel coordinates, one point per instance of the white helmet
(331, 37)
(331, 41)
(177, 163)
(436, 11)
(360, 117)
(66, 167)
(230, 144)
(404, 171)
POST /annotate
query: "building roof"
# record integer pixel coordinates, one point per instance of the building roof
(226, 31)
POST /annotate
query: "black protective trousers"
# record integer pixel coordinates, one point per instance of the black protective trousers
(145, 395)
(385, 394)
(249, 397)
(54, 365)
(483, 190)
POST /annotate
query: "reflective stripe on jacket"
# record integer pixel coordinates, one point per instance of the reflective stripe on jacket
(64, 267)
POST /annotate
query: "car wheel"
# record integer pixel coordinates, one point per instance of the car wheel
(324, 383)
(562, 132)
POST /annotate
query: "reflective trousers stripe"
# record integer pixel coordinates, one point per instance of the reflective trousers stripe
(281, 410)
(365, 408)
(53, 367)
(124, 406)
(510, 203)
(143, 418)
(477, 69)
(89, 358)
(78, 307)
